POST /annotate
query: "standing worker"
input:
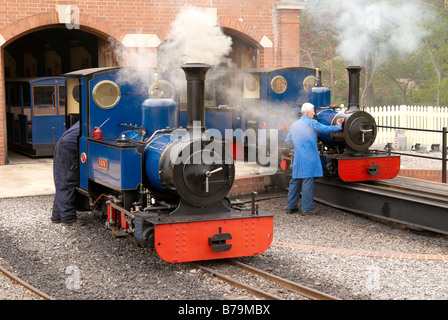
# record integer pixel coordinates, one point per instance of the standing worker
(306, 165)
(65, 175)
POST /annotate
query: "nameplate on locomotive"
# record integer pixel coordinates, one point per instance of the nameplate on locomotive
(103, 164)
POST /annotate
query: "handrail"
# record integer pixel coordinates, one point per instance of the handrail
(444, 147)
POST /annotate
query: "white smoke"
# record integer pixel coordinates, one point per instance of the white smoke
(139, 63)
(377, 29)
(195, 37)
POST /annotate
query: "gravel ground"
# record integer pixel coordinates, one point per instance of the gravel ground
(354, 277)
(408, 162)
(86, 262)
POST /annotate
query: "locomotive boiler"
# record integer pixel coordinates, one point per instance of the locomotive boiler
(163, 184)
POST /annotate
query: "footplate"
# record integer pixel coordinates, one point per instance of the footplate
(215, 239)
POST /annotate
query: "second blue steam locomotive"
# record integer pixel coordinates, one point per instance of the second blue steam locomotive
(272, 100)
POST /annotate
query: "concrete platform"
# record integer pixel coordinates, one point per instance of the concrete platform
(25, 176)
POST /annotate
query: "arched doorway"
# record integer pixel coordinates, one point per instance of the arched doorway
(48, 51)
(244, 55)
(54, 51)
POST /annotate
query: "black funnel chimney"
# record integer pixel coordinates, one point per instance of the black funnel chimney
(353, 88)
(195, 74)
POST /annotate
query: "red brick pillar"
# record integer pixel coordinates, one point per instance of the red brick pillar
(3, 140)
(288, 33)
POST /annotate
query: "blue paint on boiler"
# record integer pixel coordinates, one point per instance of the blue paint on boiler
(153, 153)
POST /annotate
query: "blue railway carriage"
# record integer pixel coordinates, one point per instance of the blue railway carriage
(272, 98)
(35, 114)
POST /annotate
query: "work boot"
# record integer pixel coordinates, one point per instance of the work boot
(308, 212)
(74, 223)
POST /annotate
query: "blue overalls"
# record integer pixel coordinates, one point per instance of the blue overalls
(65, 175)
(302, 136)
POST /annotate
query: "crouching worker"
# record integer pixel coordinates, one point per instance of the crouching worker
(65, 175)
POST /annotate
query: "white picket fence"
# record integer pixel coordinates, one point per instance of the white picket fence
(417, 117)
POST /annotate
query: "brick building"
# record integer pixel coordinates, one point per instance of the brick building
(52, 37)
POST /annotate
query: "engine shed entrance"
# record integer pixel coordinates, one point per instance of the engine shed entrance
(34, 89)
(51, 38)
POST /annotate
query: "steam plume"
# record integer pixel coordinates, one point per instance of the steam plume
(377, 29)
(195, 37)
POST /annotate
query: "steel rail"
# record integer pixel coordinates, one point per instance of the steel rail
(25, 284)
(300, 289)
(252, 290)
(408, 201)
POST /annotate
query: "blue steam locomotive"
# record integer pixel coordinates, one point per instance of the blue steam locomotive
(272, 98)
(272, 101)
(269, 100)
(162, 183)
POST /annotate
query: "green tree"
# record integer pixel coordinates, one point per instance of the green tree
(319, 41)
(434, 54)
(382, 37)
(398, 79)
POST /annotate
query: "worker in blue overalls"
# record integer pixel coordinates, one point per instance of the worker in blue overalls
(306, 166)
(65, 175)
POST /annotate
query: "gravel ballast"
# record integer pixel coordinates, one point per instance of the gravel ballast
(87, 262)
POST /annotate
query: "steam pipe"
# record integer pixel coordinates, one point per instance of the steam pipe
(195, 75)
(353, 88)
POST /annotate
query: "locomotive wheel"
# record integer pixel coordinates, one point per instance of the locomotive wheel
(332, 169)
(148, 235)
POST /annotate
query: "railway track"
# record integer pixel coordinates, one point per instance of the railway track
(416, 203)
(260, 283)
(27, 286)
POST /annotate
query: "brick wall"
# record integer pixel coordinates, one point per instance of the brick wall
(255, 21)
(431, 175)
(289, 28)
(3, 140)
(245, 185)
